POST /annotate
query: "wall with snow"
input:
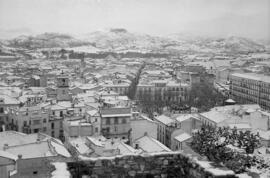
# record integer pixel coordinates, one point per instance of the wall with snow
(156, 165)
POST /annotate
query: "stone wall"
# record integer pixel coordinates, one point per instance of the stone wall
(160, 165)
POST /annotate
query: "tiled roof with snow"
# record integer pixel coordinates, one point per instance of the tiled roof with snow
(150, 145)
(183, 137)
(164, 119)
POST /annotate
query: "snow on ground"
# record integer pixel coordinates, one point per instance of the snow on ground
(215, 171)
(60, 170)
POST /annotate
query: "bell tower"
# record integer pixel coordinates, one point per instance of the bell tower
(63, 88)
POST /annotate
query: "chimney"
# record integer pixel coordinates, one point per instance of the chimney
(145, 134)
(19, 156)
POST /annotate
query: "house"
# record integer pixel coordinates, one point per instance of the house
(115, 122)
(165, 126)
(140, 124)
(149, 145)
(180, 142)
(97, 146)
(7, 163)
(33, 153)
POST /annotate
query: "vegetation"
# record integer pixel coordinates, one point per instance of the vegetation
(133, 86)
(227, 147)
(204, 96)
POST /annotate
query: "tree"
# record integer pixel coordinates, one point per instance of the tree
(213, 143)
(204, 96)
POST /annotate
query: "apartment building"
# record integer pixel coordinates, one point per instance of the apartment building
(163, 90)
(248, 88)
(115, 122)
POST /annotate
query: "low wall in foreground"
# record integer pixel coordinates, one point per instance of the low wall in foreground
(158, 165)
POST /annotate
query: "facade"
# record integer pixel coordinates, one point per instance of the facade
(6, 102)
(165, 127)
(63, 93)
(115, 122)
(250, 88)
(7, 163)
(28, 120)
(163, 90)
(140, 125)
(181, 141)
(121, 88)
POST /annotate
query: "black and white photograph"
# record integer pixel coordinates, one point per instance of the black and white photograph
(134, 88)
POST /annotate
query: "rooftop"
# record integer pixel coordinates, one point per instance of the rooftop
(253, 76)
(109, 112)
(182, 137)
(164, 119)
(150, 145)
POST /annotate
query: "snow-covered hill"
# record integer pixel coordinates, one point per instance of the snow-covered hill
(46, 40)
(121, 40)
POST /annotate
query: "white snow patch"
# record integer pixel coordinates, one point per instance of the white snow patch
(60, 170)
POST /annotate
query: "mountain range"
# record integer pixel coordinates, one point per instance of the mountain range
(121, 40)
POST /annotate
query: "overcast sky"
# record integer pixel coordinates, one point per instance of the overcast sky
(249, 18)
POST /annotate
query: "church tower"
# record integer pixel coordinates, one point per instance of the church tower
(63, 88)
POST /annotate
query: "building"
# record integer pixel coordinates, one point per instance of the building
(163, 90)
(7, 163)
(150, 145)
(97, 146)
(6, 102)
(181, 141)
(63, 93)
(77, 127)
(115, 122)
(140, 125)
(32, 119)
(32, 153)
(164, 130)
(250, 88)
(243, 117)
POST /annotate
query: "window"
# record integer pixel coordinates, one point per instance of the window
(44, 120)
(61, 113)
(53, 113)
(44, 129)
(36, 130)
(52, 125)
(116, 120)
(36, 122)
(1, 110)
(52, 134)
(108, 121)
(35, 172)
(124, 121)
